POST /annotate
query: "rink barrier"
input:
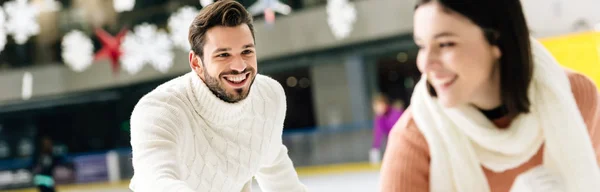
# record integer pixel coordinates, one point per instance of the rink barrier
(302, 172)
(109, 168)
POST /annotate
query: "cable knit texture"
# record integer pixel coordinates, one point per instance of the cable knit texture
(407, 162)
(184, 138)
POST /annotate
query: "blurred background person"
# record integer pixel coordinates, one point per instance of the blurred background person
(398, 105)
(43, 164)
(386, 116)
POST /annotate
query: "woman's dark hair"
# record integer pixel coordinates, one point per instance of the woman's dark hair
(503, 24)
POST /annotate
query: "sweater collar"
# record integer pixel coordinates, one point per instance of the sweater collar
(210, 107)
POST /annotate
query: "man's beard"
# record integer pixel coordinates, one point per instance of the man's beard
(216, 87)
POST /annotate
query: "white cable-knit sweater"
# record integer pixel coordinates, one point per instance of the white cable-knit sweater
(186, 139)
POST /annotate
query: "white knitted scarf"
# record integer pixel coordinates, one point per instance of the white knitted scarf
(461, 139)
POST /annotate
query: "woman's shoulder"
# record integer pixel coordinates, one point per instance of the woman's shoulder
(406, 131)
(405, 164)
(406, 120)
(586, 96)
(585, 93)
(580, 82)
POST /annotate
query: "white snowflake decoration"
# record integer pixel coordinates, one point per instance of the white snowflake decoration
(205, 3)
(123, 5)
(342, 15)
(2, 32)
(22, 20)
(77, 50)
(146, 45)
(179, 25)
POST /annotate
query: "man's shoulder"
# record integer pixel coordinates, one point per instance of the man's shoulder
(170, 93)
(269, 86)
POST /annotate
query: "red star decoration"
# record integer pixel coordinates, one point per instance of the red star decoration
(111, 47)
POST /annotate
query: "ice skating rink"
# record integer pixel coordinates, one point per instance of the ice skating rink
(348, 178)
(347, 182)
(366, 181)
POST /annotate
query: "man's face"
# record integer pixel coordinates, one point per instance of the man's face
(229, 64)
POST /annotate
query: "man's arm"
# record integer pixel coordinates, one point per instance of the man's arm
(153, 139)
(279, 174)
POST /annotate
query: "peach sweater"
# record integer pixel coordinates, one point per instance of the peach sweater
(406, 162)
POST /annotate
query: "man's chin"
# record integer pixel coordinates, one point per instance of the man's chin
(235, 95)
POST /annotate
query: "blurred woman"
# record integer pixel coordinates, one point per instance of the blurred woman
(493, 110)
(385, 117)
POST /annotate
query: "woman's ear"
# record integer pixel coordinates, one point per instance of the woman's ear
(496, 52)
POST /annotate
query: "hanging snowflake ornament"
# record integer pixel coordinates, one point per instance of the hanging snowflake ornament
(146, 45)
(78, 50)
(341, 17)
(205, 3)
(123, 5)
(22, 20)
(179, 26)
(2, 32)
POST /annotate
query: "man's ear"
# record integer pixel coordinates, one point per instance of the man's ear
(196, 63)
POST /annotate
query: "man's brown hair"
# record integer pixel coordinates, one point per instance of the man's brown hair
(227, 13)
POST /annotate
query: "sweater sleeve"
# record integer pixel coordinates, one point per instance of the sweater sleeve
(278, 173)
(405, 166)
(153, 138)
(586, 96)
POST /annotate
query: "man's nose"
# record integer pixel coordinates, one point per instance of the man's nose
(238, 65)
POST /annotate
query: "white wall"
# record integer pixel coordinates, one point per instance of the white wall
(556, 17)
(331, 94)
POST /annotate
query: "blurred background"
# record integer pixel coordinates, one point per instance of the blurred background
(71, 71)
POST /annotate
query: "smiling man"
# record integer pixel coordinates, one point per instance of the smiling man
(218, 126)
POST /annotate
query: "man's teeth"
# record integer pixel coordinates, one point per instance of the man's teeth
(236, 79)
